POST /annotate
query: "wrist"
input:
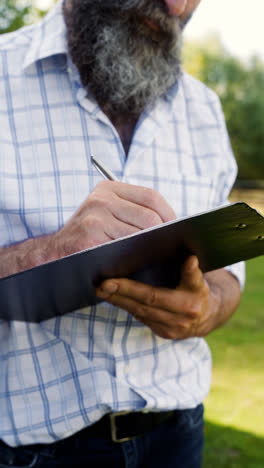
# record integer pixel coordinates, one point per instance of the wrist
(212, 318)
(224, 297)
(215, 305)
(35, 252)
(26, 255)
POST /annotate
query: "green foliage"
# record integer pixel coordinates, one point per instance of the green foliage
(16, 13)
(12, 15)
(240, 87)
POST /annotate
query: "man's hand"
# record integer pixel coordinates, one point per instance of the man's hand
(198, 305)
(112, 210)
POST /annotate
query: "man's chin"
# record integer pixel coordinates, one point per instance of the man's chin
(131, 62)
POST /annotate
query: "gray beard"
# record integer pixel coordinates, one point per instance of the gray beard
(124, 63)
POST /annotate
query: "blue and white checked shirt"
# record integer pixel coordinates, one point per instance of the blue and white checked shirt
(63, 374)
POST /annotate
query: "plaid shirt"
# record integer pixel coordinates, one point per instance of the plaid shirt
(63, 374)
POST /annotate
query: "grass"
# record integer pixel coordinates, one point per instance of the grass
(231, 448)
(235, 406)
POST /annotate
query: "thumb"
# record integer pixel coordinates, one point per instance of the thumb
(191, 275)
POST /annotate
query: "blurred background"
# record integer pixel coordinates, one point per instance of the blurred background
(224, 48)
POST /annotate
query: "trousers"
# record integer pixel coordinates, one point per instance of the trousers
(177, 443)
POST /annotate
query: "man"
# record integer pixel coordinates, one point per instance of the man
(103, 78)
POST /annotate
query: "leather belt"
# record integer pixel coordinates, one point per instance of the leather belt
(118, 427)
(123, 426)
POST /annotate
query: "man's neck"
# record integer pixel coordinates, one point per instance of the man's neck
(126, 131)
(125, 126)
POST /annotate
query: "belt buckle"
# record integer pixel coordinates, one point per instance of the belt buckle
(113, 417)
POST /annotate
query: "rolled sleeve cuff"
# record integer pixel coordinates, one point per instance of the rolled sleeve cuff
(239, 271)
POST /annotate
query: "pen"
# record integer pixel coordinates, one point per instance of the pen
(102, 169)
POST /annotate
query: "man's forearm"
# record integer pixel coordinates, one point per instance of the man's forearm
(225, 297)
(28, 254)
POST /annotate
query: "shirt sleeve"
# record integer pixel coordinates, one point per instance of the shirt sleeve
(227, 174)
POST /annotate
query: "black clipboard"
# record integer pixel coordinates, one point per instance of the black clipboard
(218, 237)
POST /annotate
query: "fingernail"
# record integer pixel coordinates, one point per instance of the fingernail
(193, 264)
(106, 289)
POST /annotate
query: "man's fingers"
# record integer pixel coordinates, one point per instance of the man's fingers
(143, 196)
(191, 275)
(151, 316)
(130, 213)
(169, 300)
(174, 324)
(114, 228)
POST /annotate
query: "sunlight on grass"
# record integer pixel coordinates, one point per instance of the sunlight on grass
(255, 198)
(235, 405)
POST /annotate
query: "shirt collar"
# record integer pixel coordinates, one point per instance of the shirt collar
(49, 37)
